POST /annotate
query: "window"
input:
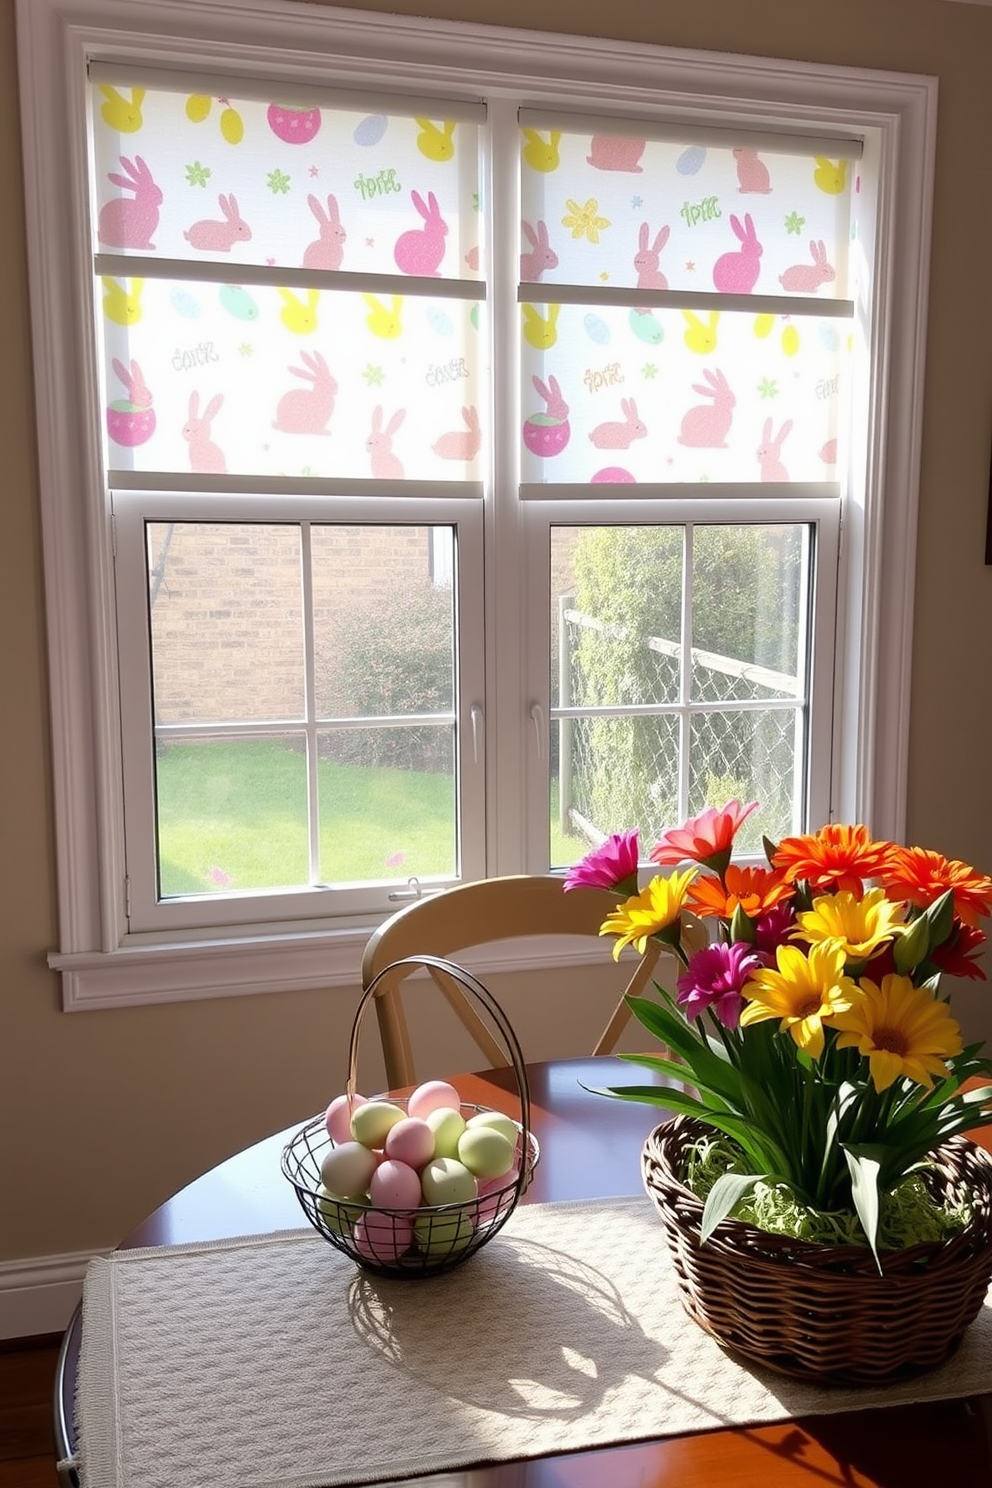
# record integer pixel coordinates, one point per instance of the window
(444, 465)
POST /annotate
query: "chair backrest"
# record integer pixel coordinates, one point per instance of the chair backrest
(474, 914)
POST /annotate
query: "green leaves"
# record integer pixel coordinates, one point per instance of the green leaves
(723, 1198)
(865, 1163)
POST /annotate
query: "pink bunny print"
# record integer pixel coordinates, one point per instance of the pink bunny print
(421, 249)
(385, 465)
(706, 425)
(306, 410)
(205, 457)
(212, 236)
(807, 278)
(539, 257)
(770, 452)
(610, 152)
(617, 435)
(461, 444)
(327, 250)
(737, 272)
(752, 173)
(130, 221)
(649, 276)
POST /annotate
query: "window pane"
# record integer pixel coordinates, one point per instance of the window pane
(617, 394)
(747, 624)
(222, 379)
(631, 212)
(226, 616)
(387, 803)
(280, 183)
(232, 814)
(646, 730)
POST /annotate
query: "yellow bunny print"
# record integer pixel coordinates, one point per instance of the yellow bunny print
(698, 337)
(296, 317)
(383, 322)
(120, 304)
(432, 143)
(830, 175)
(538, 331)
(122, 114)
(542, 154)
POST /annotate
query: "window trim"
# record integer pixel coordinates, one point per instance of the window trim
(877, 574)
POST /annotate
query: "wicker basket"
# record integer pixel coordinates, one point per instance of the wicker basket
(824, 1312)
(445, 1235)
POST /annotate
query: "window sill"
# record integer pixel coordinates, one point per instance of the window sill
(190, 971)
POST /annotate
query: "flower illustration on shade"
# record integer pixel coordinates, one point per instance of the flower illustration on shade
(794, 223)
(197, 174)
(277, 182)
(584, 221)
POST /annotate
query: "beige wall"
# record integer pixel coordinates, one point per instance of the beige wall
(103, 1114)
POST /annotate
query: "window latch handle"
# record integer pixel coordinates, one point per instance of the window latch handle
(475, 714)
(537, 718)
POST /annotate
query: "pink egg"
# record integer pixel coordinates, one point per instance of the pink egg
(338, 1118)
(496, 1195)
(431, 1096)
(382, 1237)
(411, 1141)
(395, 1185)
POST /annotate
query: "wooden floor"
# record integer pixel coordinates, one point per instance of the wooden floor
(27, 1446)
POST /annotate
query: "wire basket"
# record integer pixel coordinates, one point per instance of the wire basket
(824, 1312)
(431, 1238)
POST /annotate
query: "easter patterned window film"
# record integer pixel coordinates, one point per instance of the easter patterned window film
(288, 290)
(686, 308)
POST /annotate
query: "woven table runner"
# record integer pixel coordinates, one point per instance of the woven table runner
(275, 1362)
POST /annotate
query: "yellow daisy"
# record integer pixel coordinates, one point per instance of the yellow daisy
(901, 1029)
(860, 924)
(653, 910)
(804, 992)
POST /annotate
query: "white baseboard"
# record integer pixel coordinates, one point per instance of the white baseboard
(38, 1295)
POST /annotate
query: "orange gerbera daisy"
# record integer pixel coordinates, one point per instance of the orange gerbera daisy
(921, 876)
(835, 857)
(755, 890)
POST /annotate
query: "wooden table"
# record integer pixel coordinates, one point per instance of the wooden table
(590, 1147)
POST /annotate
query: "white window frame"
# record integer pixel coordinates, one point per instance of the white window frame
(896, 113)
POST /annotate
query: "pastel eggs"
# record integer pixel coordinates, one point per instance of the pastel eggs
(447, 1181)
(338, 1117)
(447, 1124)
(486, 1152)
(371, 1123)
(432, 1096)
(395, 1185)
(347, 1169)
(410, 1141)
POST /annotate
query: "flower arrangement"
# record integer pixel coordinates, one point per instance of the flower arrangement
(811, 1026)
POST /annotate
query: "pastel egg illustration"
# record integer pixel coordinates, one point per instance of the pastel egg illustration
(596, 329)
(238, 302)
(790, 340)
(130, 424)
(763, 325)
(613, 475)
(294, 126)
(184, 303)
(828, 335)
(645, 327)
(370, 130)
(439, 322)
(691, 160)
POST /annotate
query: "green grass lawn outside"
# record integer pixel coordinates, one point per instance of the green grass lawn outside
(233, 816)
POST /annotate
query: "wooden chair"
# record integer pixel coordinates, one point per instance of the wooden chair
(473, 914)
